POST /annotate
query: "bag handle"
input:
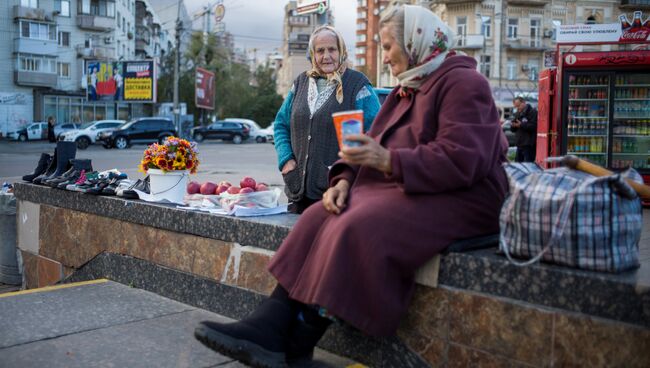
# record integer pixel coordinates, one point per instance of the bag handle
(558, 226)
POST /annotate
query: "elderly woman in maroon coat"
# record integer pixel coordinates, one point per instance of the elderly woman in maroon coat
(427, 174)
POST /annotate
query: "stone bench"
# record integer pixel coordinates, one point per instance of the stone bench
(478, 307)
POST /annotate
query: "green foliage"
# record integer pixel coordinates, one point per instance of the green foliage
(239, 93)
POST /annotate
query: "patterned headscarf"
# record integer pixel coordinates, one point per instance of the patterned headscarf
(427, 40)
(335, 76)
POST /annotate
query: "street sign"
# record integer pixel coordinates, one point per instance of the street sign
(219, 28)
(312, 6)
(219, 12)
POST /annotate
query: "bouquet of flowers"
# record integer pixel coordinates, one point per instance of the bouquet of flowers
(173, 154)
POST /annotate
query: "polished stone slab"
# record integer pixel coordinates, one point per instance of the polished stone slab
(624, 297)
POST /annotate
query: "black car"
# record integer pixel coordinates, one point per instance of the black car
(141, 130)
(226, 130)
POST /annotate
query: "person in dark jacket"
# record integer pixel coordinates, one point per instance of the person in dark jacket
(524, 125)
(429, 172)
(305, 139)
(50, 129)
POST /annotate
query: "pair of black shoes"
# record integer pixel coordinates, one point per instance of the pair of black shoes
(50, 167)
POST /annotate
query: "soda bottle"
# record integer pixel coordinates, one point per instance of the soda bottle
(636, 22)
(625, 24)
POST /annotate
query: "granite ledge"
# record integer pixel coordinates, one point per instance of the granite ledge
(624, 297)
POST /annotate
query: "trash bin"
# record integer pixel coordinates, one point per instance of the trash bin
(9, 273)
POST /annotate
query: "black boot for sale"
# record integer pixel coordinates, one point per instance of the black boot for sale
(43, 163)
(65, 151)
(51, 168)
(258, 340)
(305, 334)
(76, 166)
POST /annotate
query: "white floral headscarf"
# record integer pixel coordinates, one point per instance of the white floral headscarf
(335, 76)
(427, 40)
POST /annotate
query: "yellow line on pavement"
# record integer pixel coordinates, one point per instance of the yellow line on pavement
(54, 287)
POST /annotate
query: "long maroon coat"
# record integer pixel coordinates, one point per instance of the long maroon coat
(447, 184)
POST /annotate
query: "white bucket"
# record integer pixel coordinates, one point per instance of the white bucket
(170, 185)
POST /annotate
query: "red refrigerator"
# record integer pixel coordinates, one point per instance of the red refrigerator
(596, 105)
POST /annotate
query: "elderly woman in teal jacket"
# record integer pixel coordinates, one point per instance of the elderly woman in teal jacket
(305, 138)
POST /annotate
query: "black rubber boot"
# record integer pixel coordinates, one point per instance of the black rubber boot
(51, 168)
(260, 339)
(65, 151)
(304, 336)
(43, 163)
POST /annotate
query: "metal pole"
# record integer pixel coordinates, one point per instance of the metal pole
(179, 29)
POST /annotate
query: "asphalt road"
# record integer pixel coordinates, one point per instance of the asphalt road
(219, 161)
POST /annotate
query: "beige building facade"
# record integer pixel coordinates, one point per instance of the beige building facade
(509, 38)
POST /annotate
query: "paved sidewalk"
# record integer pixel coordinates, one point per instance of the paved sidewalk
(106, 324)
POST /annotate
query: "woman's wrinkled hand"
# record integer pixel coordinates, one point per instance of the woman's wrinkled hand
(289, 166)
(370, 153)
(335, 198)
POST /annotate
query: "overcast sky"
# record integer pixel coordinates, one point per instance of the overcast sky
(258, 23)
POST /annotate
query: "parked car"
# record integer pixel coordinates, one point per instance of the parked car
(269, 132)
(87, 134)
(512, 139)
(226, 130)
(382, 93)
(33, 131)
(255, 130)
(65, 127)
(141, 130)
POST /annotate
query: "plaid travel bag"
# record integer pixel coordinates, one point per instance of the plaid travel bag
(571, 218)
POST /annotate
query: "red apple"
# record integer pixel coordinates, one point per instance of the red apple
(208, 188)
(261, 187)
(193, 187)
(225, 183)
(233, 190)
(246, 190)
(221, 188)
(247, 182)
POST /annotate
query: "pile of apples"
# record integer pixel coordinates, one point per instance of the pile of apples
(246, 185)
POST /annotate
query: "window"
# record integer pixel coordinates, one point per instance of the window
(361, 26)
(123, 25)
(102, 8)
(64, 39)
(33, 63)
(124, 50)
(535, 35)
(63, 70)
(361, 50)
(556, 23)
(39, 31)
(361, 37)
(533, 68)
(461, 29)
(361, 61)
(118, 20)
(361, 15)
(118, 49)
(513, 25)
(485, 65)
(63, 7)
(486, 27)
(511, 69)
(29, 3)
(362, 3)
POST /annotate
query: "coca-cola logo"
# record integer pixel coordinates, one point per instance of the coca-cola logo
(637, 35)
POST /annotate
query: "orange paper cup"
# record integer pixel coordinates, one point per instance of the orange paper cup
(340, 117)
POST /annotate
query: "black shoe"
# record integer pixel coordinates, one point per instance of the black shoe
(141, 185)
(111, 188)
(65, 151)
(43, 164)
(51, 168)
(259, 340)
(71, 175)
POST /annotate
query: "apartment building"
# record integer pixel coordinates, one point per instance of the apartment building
(367, 42)
(295, 41)
(44, 47)
(509, 38)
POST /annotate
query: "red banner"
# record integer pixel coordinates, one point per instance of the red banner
(204, 90)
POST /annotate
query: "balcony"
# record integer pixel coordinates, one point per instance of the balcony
(36, 47)
(95, 52)
(526, 44)
(95, 23)
(529, 2)
(31, 13)
(635, 4)
(35, 79)
(470, 42)
(458, 1)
